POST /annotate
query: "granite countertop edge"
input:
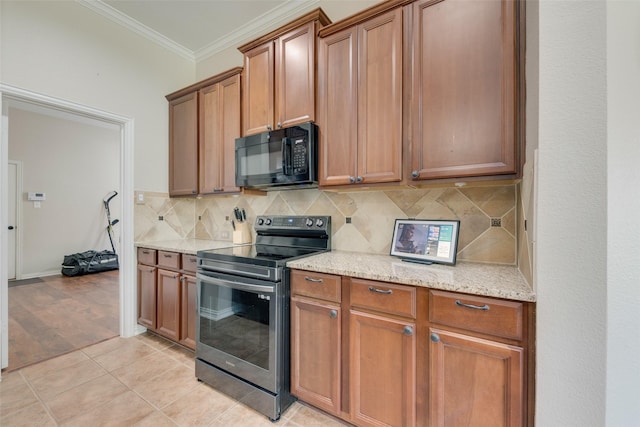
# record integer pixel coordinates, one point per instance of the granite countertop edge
(185, 246)
(492, 280)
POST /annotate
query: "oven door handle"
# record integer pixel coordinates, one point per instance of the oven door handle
(234, 285)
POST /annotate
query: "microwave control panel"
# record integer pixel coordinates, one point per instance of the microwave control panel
(299, 156)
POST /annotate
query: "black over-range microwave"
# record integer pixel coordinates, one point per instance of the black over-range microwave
(279, 159)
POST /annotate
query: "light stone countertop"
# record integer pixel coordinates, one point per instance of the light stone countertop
(185, 246)
(492, 280)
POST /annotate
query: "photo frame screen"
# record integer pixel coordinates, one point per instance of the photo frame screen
(426, 241)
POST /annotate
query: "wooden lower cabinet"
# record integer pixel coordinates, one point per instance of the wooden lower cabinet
(188, 290)
(315, 353)
(147, 290)
(474, 382)
(168, 308)
(382, 370)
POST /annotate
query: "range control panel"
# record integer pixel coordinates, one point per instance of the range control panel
(292, 222)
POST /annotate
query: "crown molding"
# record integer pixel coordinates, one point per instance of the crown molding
(120, 18)
(257, 27)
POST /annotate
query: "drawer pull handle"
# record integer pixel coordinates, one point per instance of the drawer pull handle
(333, 314)
(311, 279)
(408, 330)
(146, 252)
(380, 291)
(435, 337)
(168, 255)
(474, 307)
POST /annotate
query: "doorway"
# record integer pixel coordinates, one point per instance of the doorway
(13, 218)
(127, 290)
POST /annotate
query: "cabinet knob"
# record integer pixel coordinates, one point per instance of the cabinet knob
(415, 174)
(435, 337)
(408, 330)
(279, 125)
(352, 179)
(333, 314)
(268, 127)
(359, 179)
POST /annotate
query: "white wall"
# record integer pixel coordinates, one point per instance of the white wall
(76, 164)
(623, 160)
(64, 50)
(572, 215)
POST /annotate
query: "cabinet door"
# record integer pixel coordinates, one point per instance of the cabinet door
(315, 353)
(382, 370)
(464, 102)
(219, 127)
(338, 107)
(188, 290)
(474, 382)
(257, 90)
(147, 296)
(183, 145)
(295, 76)
(168, 308)
(380, 99)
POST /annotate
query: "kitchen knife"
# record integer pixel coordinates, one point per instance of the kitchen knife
(244, 215)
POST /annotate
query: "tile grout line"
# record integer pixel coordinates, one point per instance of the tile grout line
(44, 405)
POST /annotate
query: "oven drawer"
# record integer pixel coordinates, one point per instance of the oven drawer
(316, 285)
(189, 263)
(384, 297)
(496, 317)
(146, 256)
(169, 259)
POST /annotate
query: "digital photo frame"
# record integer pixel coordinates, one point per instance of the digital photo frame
(426, 241)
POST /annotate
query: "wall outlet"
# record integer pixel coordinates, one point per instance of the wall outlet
(224, 235)
(140, 198)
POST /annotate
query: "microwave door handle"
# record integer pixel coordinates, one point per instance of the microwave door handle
(286, 157)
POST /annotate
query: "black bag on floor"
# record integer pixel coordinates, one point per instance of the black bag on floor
(89, 262)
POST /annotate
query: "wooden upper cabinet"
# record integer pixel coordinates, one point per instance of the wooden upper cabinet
(465, 88)
(360, 102)
(279, 75)
(183, 145)
(219, 127)
(204, 121)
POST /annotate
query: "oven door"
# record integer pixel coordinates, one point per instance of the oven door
(237, 327)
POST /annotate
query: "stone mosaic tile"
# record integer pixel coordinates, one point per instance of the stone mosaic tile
(343, 202)
(494, 201)
(495, 246)
(509, 222)
(473, 222)
(299, 201)
(323, 206)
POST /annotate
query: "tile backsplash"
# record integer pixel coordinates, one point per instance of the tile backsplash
(487, 214)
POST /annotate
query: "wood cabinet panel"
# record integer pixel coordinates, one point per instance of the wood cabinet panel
(258, 87)
(316, 349)
(484, 315)
(168, 304)
(360, 102)
(183, 145)
(219, 127)
(295, 84)
(146, 256)
(464, 89)
(316, 285)
(380, 99)
(189, 263)
(169, 260)
(188, 312)
(382, 370)
(338, 107)
(147, 291)
(474, 382)
(384, 297)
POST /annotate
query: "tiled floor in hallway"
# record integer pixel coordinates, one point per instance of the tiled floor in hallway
(139, 381)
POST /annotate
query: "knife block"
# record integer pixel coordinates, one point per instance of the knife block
(242, 234)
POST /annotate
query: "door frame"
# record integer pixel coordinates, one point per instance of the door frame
(18, 220)
(127, 276)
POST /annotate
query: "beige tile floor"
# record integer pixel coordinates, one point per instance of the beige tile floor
(139, 381)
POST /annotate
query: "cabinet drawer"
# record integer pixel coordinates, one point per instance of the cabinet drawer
(146, 256)
(316, 285)
(189, 263)
(485, 315)
(384, 297)
(169, 259)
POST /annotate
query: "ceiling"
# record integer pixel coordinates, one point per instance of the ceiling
(197, 29)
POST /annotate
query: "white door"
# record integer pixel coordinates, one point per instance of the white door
(12, 217)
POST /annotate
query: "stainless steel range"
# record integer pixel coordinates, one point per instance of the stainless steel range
(242, 344)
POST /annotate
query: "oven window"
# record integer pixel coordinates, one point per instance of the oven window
(236, 322)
